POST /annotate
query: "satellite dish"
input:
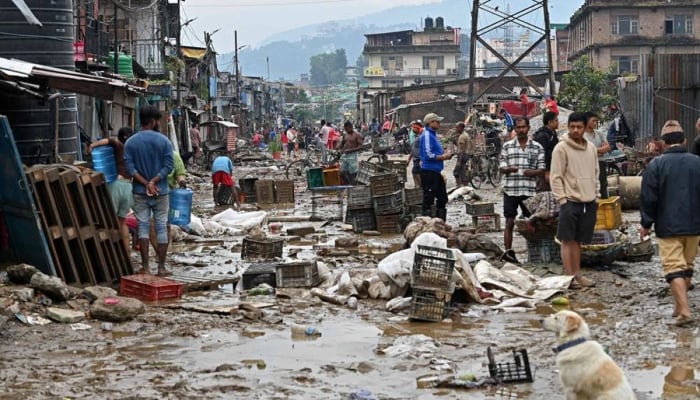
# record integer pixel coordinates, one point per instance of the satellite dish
(418, 81)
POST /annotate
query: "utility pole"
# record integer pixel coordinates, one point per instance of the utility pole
(177, 54)
(238, 80)
(116, 44)
(267, 60)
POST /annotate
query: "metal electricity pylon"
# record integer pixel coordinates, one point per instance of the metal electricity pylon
(505, 19)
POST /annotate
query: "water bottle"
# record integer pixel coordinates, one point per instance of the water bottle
(301, 330)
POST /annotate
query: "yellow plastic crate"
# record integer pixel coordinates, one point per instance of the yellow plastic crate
(609, 214)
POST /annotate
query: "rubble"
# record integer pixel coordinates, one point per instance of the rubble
(21, 274)
(52, 286)
(93, 293)
(346, 241)
(116, 309)
(64, 316)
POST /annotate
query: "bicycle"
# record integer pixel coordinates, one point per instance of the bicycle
(493, 167)
(298, 168)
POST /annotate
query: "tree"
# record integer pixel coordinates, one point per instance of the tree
(328, 68)
(587, 88)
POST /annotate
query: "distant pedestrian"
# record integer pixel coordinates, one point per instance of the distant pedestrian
(524, 101)
(601, 144)
(465, 146)
(669, 197)
(149, 159)
(548, 138)
(291, 140)
(432, 159)
(507, 120)
(575, 185)
(374, 126)
(696, 142)
(350, 148)
(416, 132)
(387, 125)
(522, 161)
(222, 178)
(550, 105)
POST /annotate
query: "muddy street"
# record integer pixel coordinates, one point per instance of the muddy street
(202, 347)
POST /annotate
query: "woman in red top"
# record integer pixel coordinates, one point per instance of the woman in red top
(524, 100)
(550, 104)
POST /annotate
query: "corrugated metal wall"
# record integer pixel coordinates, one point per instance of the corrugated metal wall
(668, 88)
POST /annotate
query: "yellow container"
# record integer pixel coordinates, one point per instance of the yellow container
(609, 214)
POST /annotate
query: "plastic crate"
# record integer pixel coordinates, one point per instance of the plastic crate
(383, 142)
(224, 195)
(609, 215)
(384, 184)
(432, 268)
(389, 223)
(518, 371)
(258, 273)
(248, 185)
(331, 177)
(413, 197)
(297, 274)
(361, 220)
(429, 304)
(479, 208)
(388, 204)
(543, 251)
(399, 167)
(266, 249)
(284, 191)
(265, 191)
(413, 212)
(368, 170)
(359, 197)
(603, 237)
(487, 223)
(314, 177)
(149, 287)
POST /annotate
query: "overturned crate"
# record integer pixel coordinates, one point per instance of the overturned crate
(433, 268)
(297, 274)
(265, 249)
(429, 304)
(259, 273)
(361, 220)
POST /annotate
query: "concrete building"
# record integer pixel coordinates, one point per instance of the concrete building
(405, 58)
(618, 32)
(490, 65)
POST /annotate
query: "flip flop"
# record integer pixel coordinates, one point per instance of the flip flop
(681, 321)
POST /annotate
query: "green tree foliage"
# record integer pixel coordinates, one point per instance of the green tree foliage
(587, 88)
(328, 68)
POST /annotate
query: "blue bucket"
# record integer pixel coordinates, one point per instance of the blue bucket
(180, 206)
(103, 161)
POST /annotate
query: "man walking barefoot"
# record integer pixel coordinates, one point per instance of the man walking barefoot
(149, 159)
(575, 185)
(670, 193)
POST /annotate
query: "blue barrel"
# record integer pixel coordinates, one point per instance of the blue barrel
(103, 161)
(180, 206)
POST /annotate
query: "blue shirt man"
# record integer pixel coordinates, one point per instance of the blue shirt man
(222, 164)
(149, 160)
(431, 162)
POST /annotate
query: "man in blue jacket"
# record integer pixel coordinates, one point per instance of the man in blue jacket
(149, 160)
(431, 163)
(670, 193)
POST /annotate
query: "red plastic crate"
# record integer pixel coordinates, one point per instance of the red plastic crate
(149, 287)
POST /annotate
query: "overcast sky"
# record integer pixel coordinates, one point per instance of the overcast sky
(256, 20)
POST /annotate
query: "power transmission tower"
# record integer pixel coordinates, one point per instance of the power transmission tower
(505, 20)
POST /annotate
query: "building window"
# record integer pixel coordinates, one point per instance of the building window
(433, 62)
(392, 83)
(678, 25)
(625, 25)
(627, 65)
(392, 62)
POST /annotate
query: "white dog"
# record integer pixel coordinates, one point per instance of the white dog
(586, 371)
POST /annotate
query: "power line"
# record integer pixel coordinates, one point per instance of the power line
(267, 4)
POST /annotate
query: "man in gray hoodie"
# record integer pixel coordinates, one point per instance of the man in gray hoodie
(575, 185)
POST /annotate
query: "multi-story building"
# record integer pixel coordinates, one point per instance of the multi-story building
(488, 64)
(405, 58)
(618, 32)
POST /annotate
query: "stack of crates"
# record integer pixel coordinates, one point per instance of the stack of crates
(413, 202)
(360, 213)
(431, 283)
(387, 202)
(483, 216)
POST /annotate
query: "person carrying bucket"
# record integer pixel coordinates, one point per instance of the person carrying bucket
(120, 190)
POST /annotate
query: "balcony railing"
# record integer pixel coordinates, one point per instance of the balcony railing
(149, 54)
(408, 72)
